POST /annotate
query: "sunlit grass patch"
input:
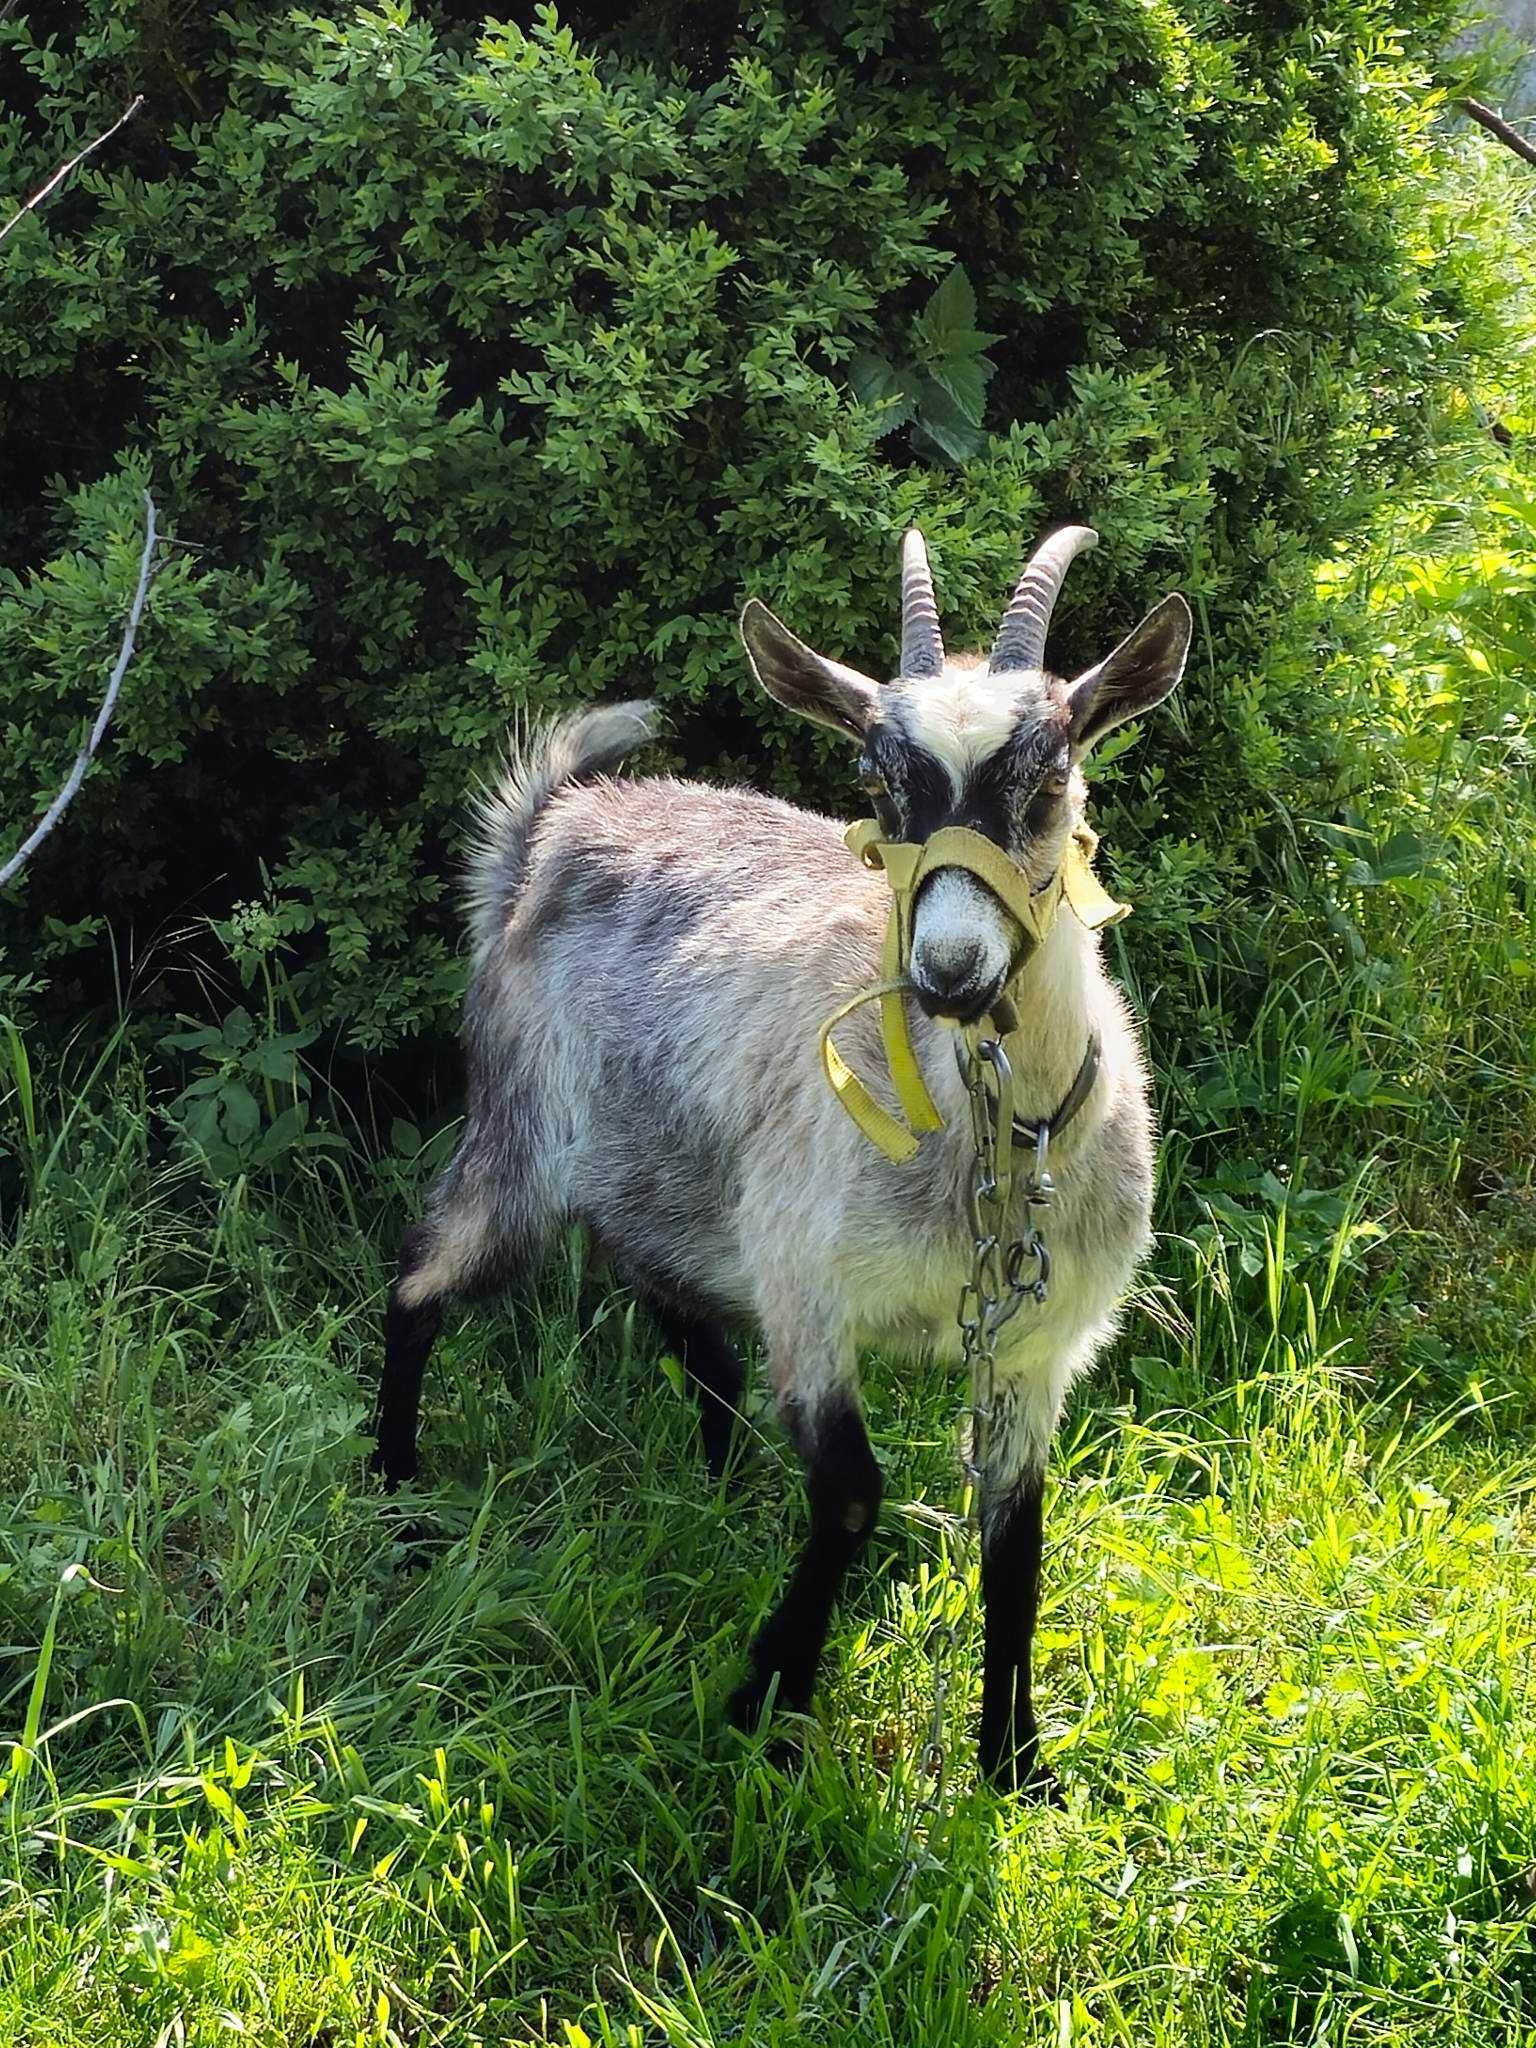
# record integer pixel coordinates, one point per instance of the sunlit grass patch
(295, 1771)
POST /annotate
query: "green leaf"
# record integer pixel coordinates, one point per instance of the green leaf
(242, 1112)
(952, 307)
(194, 1041)
(943, 423)
(964, 380)
(275, 1061)
(880, 387)
(283, 1133)
(201, 1123)
(205, 1084)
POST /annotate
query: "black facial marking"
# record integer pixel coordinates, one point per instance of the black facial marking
(1013, 797)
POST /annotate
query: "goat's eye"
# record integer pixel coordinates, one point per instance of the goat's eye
(875, 787)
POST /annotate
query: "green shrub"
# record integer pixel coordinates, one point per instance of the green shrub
(481, 368)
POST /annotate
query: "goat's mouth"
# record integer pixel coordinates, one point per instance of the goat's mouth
(957, 1005)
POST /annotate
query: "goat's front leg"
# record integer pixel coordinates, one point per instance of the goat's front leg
(1012, 1540)
(844, 1484)
(1031, 1387)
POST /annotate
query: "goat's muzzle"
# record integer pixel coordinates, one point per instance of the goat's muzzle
(958, 996)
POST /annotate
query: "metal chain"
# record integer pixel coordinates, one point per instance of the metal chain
(1005, 1273)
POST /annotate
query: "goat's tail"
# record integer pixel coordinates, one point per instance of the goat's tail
(539, 762)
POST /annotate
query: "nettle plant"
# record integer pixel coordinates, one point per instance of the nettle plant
(247, 1107)
(937, 387)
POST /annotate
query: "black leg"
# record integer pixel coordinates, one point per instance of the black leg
(410, 1330)
(1012, 1540)
(715, 1373)
(844, 1484)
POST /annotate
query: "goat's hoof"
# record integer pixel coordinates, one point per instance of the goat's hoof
(416, 1542)
(748, 1704)
(727, 1451)
(724, 1472)
(750, 1707)
(1019, 1773)
(765, 1692)
(394, 1470)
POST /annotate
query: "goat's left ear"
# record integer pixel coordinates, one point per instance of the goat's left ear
(1138, 675)
(795, 676)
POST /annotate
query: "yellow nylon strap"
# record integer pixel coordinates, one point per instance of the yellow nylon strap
(906, 868)
(897, 1140)
(1092, 905)
(956, 846)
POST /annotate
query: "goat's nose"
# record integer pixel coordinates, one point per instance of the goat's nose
(955, 983)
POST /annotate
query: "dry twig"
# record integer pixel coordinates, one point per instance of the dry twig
(1510, 137)
(87, 753)
(64, 169)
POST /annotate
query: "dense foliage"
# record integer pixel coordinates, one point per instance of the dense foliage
(481, 368)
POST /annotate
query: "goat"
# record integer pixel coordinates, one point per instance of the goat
(652, 962)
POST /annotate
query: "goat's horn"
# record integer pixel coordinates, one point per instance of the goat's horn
(922, 650)
(1020, 641)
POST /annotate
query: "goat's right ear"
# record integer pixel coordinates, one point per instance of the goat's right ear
(802, 680)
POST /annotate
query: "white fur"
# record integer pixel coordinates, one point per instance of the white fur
(539, 759)
(662, 1082)
(961, 718)
(966, 714)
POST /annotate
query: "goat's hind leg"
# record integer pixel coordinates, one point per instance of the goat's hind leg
(845, 1484)
(714, 1371)
(412, 1322)
(462, 1249)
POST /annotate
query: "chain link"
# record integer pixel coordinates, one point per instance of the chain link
(1005, 1273)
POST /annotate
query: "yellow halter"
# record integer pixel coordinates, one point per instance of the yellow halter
(906, 868)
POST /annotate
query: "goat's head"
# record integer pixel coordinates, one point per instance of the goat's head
(992, 742)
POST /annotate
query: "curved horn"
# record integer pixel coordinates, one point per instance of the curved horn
(922, 650)
(1020, 641)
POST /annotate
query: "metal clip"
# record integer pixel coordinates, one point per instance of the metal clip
(1041, 1189)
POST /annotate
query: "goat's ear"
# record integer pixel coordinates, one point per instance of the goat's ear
(803, 681)
(1138, 675)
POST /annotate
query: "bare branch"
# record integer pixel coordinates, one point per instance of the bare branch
(1510, 137)
(64, 169)
(87, 753)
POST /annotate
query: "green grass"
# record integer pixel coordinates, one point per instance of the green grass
(270, 1772)
(275, 1776)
